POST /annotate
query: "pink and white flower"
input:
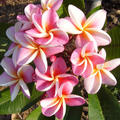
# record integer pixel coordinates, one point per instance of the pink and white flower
(45, 30)
(85, 29)
(101, 75)
(30, 51)
(48, 4)
(83, 60)
(57, 105)
(16, 77)
(54, 77)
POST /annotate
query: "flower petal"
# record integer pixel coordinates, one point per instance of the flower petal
(95, 21)
(74, 100)
(52, 50)
(9, 67)
(108, 78)
(23, 55)
(67, 78)
(54, 4)
(10, 32)
(41, 62)
(77, 16)
(14, 91)
(103, 53)
(49, 19)
(101, 37)
(112, 64)
(58, 67)
(61, 112)
(67, 26)
(6, 80)
(24, 87)
(93, 83)
(25, 72)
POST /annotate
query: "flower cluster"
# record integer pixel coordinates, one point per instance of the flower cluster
(39, 35)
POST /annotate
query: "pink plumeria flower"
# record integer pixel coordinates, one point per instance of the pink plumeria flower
(16, 77)
(54, 77)
(30, 51)
(26, 19)
(101, 75)
(45, 30)
(57, 105)
(48, 4)
(83, 60)
(10, 32)
(85, 29)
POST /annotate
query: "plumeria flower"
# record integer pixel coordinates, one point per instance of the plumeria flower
(101, 75)
(57, 105)
(16, 77)
(48, 4)
(45, 30)
(26, 19)
(83, 60)
(10, 32)
(85, 29)
(54, 77)
(30, 51)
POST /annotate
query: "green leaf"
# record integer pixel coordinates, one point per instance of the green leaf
(109, 104)
(63, 11)
(37, 115)
(21, 103)
(94, 108)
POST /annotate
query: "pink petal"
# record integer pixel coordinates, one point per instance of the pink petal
(88, 70)
(22, 18)
(24, 88)
(108, 78)
(52, 50)
(6, 80)
(67, 26)
(9, 67)
(51, 92)
(45, 40)
(43, 85)
(22, 40)
(51, 111)
(76, 57)
(18, 26)
(95, 21)
(23, 55)
(67, 78)
(95, 58)
(80, 69)
(77, 16)
(41, 62)
(58, 67)
(14, 91)
(10, 32)
(25, 72)
(84, 38)
(93, 83)
(65, 89)
(10, 49)
(59, 37)
(103, 53)
(49, 19)
(112, 64)
(74, 100)
(45, 76)
(61, 112)
(101, 37)
(26, 26)
(54, 4)
(30, 9)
